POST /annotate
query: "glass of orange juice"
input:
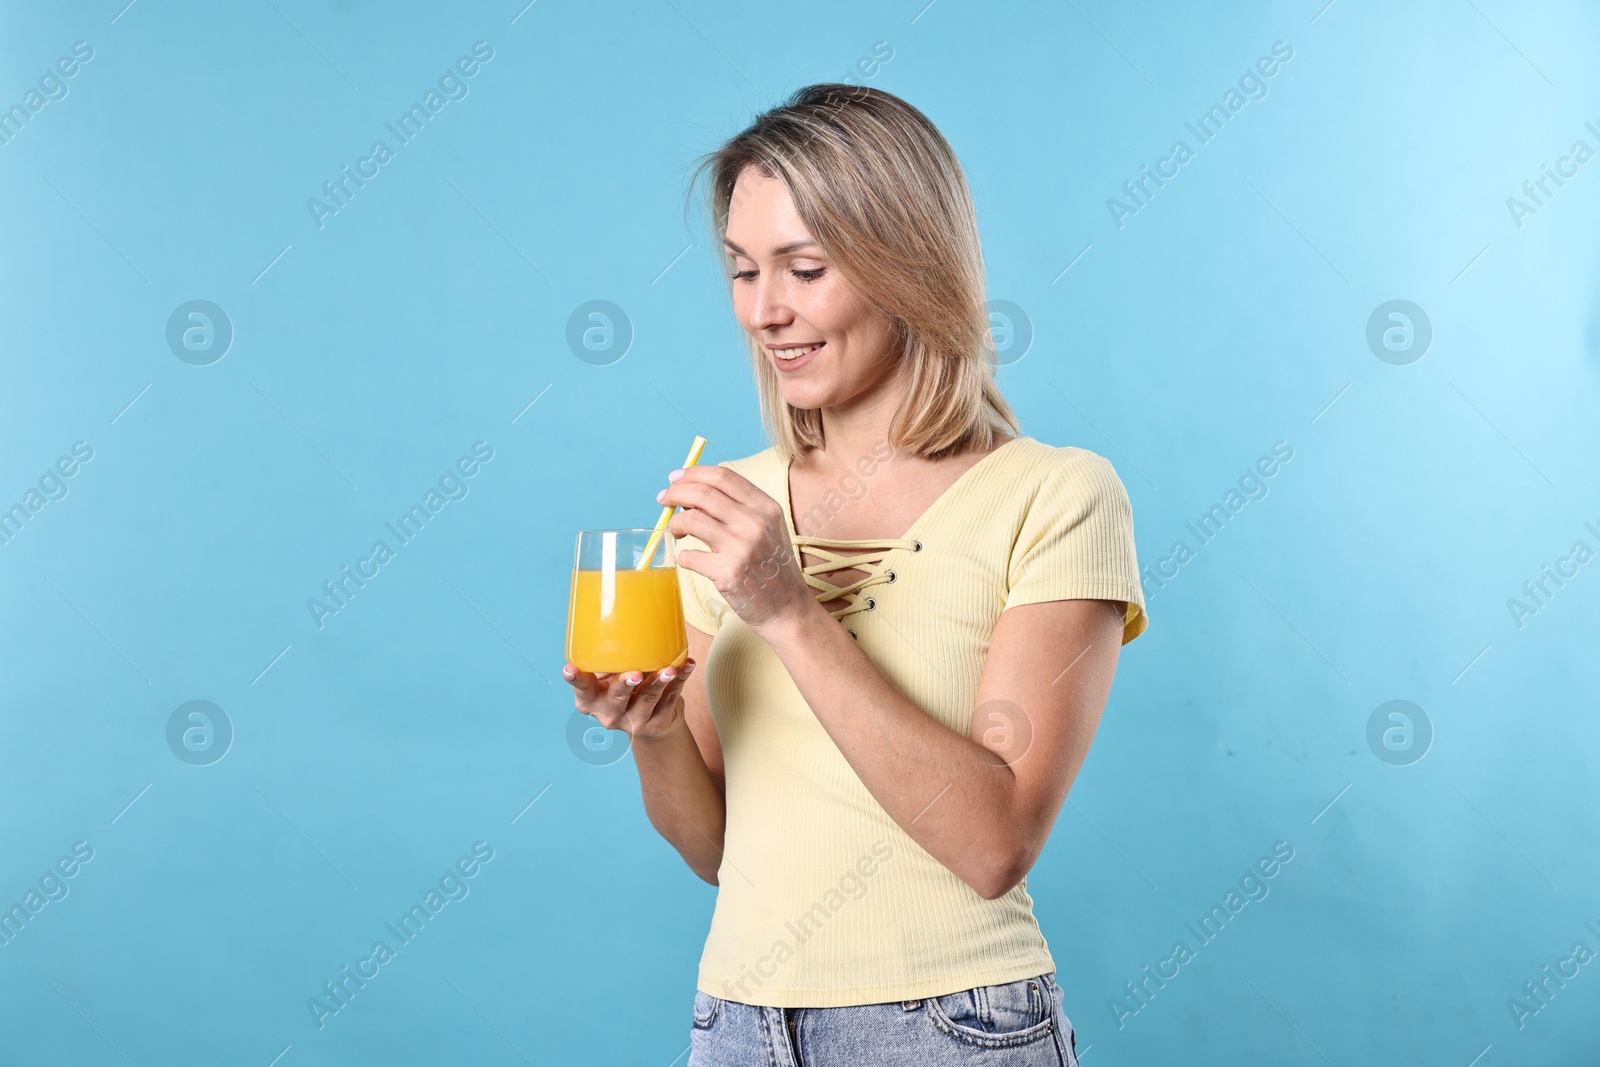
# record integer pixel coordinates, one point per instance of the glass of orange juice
(619, 617)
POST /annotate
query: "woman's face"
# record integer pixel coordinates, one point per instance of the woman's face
(788, 296)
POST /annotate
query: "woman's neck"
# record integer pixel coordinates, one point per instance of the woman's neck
(856, 429)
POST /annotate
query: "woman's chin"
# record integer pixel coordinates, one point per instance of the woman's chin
(807, 397)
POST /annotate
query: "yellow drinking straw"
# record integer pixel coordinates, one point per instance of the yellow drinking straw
(667, 510)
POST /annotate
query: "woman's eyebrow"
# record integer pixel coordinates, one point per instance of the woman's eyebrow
(781, 250)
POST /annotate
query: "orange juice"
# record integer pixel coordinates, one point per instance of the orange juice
(626, 620)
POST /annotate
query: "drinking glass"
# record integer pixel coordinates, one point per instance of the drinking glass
(621, 618)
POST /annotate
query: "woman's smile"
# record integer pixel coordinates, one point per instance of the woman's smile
(791, 357)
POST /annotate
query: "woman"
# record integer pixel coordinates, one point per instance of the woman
(890, 713)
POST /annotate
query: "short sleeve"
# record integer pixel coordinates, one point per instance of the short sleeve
(1076, 540)
(702, 604)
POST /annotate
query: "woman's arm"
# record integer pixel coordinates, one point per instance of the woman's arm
(675, 747)
(981, 805)
(680, 775)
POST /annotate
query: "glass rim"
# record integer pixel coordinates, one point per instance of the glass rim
(633, 529)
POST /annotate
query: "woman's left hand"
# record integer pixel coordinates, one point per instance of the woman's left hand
(751, 560)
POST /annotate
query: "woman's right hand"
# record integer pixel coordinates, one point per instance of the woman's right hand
(645, 707)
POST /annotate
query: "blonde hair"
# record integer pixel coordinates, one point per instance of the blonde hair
(881, 191)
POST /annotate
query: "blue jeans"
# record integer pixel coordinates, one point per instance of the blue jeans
(1014, 1024)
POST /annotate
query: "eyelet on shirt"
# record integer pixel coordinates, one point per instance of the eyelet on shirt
(891, 577)
(853, 634)
(872, 605)
(919, 546)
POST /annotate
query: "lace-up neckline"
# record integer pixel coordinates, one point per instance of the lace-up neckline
(868, 554)
(869, 560)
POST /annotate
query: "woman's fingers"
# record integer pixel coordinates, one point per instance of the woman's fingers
(718, 492)
(732, 483)
(627, 699)
(618, 692)
(666, 712)
(647, 697)
(587, 685)
(726, 481)
(709, 500)
(719, 521)
(699, 525)
(676, 685)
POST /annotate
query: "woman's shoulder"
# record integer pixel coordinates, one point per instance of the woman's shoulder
(1062, 481)
(1041, 460)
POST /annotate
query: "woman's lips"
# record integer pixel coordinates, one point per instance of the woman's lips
(798, 361)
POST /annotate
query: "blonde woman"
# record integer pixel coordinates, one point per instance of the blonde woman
(904, 622)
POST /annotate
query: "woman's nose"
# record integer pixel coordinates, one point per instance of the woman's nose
(767, 307)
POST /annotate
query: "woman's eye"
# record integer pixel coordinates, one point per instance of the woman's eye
(803, 275)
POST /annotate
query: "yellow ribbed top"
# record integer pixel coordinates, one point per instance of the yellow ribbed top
(823, 900)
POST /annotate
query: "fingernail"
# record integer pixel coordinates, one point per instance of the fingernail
(660, 495)
(566, 672)
(668, 675)
(634, 681)
(675, 475)
(688, 667)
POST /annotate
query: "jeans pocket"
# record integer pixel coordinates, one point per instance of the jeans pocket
(1058, 996)
(996, 1016)
(706, 1008)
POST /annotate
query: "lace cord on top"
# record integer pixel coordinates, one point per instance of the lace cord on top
(868, 558)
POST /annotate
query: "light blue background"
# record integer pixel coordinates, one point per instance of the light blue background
(369, 354)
